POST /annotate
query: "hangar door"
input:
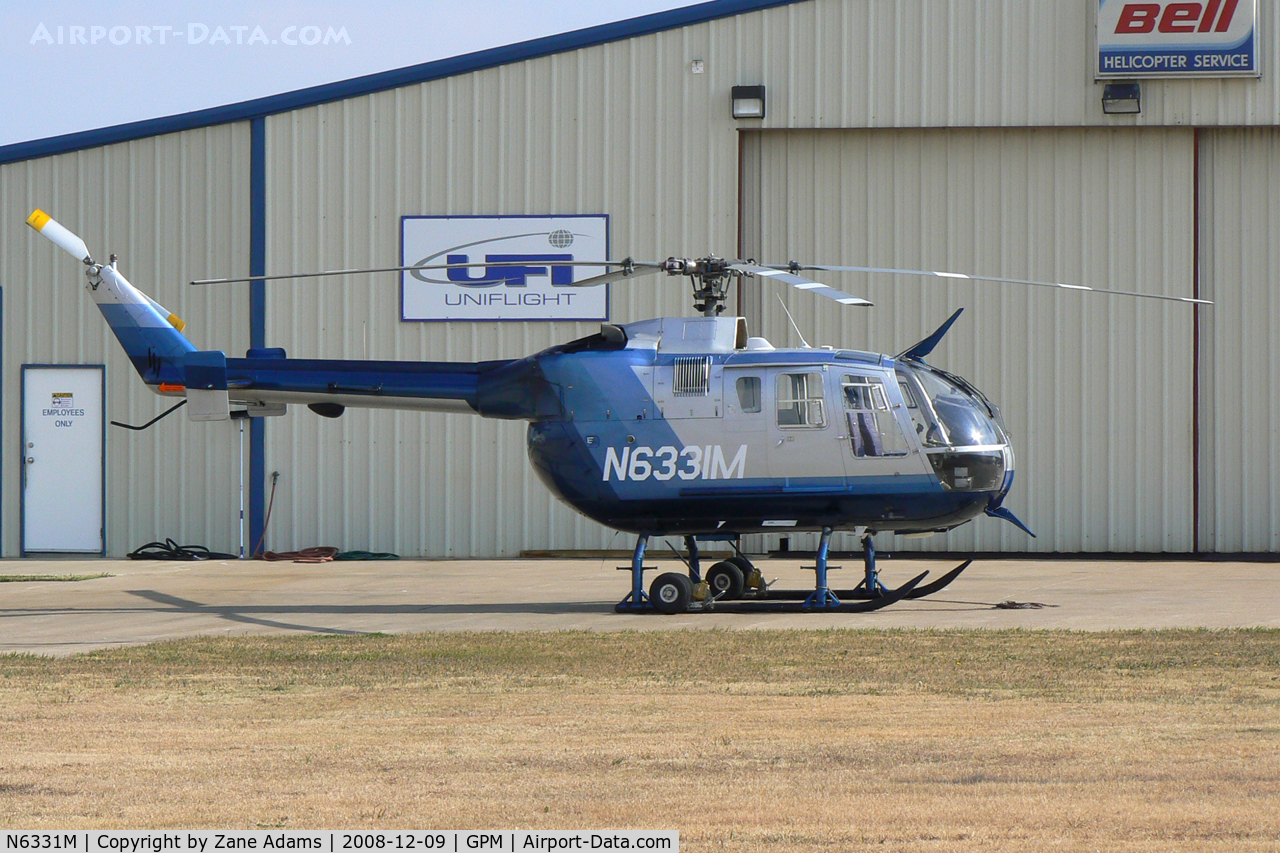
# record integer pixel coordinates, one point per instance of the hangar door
(1240, 341)
(1096, 390)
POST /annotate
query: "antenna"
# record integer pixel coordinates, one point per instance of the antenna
(803, 342)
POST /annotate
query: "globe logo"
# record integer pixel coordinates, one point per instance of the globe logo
(560, 238)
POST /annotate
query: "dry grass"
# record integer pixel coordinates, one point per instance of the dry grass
(51, 578)
(911, 740)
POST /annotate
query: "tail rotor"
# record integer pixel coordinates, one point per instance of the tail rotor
(60, 236)
(150, 333)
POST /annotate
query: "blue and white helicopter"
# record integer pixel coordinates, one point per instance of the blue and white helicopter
(680, 426)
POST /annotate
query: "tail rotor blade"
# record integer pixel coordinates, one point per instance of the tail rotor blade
(60, 236)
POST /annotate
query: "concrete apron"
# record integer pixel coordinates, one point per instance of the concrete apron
(143, 602)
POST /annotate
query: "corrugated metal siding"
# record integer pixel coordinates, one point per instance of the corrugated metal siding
(173, 208)
(622, 129)
(626, 129)
(1240, 409)
(1096, 390)
(966, 63)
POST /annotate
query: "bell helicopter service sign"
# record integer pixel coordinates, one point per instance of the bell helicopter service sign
(1211, 38)
(519, 267)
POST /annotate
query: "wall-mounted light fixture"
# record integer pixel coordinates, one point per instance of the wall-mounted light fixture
(748, 101)
(1121, 98)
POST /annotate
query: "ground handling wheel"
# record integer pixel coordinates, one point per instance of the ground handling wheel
(753, 584)
(727, 581)
(671, 593)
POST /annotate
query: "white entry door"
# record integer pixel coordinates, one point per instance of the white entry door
(62, 459)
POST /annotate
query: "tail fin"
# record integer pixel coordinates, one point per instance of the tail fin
(151, 336)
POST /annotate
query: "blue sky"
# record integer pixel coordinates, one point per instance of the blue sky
(76, 65)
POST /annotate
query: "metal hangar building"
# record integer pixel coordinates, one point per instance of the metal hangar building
(1083, 142)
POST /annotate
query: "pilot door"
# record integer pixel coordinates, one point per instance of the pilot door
(871, 431)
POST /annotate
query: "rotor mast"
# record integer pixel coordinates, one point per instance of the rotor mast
(709, 278)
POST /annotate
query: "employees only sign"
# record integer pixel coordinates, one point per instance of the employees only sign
(520, 267)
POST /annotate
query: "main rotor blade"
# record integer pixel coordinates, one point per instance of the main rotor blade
(629, 268)
(418, 267)
(793, 267)
(787, 276)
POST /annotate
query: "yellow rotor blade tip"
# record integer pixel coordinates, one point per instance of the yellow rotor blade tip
(38, 218)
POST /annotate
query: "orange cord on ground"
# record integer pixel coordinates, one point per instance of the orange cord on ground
(321, 554)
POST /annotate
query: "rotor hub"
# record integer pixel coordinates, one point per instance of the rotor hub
(709, 278)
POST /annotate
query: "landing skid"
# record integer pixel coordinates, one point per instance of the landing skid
(940, 584)
(783, 600)
(735, 585)
(859, 594)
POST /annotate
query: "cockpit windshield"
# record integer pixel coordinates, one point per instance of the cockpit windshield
(960, 430)
(944, 414)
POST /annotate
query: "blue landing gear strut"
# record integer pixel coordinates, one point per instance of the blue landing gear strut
(695, 567)
(871, 589)
(671, 592)
(870, 586)
(636, 600)
(822, 597)
(674, 592)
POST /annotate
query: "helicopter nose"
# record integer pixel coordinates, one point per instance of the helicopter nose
(1007, 483)
(998, 498)
(994, 506)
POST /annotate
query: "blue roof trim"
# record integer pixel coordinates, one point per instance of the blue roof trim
(382, 81)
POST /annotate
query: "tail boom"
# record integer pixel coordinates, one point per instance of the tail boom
(424, 385)
(171, 365)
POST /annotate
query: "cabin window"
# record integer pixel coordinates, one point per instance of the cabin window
(749, 394)
(800, 400)
(864, 393)
(873, 427)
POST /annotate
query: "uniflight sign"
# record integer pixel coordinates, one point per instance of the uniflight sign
(1210, 38)
(518, 267)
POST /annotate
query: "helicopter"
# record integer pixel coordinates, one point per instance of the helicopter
(677, 426)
